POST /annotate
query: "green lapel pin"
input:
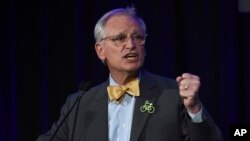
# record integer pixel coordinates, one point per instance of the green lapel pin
(148, 106)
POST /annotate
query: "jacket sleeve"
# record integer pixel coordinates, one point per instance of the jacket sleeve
(202, 131)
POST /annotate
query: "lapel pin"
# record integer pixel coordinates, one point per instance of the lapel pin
(148, 106)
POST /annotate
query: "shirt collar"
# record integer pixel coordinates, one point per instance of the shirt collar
(113, 83)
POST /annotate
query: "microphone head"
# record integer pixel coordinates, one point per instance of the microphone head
(84, 85)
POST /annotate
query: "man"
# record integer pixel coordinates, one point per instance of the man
(133, 104)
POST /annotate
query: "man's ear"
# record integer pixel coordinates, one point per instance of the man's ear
(100, 51)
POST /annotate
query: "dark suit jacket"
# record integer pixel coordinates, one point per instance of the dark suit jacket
(169, 122)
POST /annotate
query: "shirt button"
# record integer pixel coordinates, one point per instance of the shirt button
(123, 125)
(125, 103)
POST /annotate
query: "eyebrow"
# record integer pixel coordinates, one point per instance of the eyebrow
(133, 33)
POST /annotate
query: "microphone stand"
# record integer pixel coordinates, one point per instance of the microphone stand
(84, 86)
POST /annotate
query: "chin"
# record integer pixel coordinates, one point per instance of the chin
(134, 68)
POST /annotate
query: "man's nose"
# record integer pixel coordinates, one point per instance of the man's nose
(130, 43)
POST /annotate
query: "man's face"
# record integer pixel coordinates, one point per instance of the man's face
(123, 45)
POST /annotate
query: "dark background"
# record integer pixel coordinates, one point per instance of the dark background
(47, 48)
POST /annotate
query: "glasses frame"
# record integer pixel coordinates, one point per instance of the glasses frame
(121, 39)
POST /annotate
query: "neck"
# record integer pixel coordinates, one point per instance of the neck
(124, 78)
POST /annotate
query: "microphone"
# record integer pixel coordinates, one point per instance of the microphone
(83, 87)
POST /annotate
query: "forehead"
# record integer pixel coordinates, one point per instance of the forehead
(122, 23)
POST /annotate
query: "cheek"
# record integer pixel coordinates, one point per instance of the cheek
(143, 53)
(113, 55)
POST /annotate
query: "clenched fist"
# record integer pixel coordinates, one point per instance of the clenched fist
(189, 85)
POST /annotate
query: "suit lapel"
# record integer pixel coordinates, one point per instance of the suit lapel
(99, 122)
(147, 90)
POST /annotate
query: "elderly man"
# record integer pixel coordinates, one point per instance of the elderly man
(133, 104)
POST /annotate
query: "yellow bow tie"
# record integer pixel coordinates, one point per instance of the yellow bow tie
(117, 92)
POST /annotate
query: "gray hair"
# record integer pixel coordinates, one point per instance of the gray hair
(99, 27)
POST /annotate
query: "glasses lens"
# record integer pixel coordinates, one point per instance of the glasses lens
(121, 39)
(139, 39)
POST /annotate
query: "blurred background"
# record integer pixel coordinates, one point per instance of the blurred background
(47, 49)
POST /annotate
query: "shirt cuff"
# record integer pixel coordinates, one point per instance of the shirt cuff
(196, 118)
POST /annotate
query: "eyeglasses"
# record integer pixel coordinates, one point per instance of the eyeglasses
(121, 39)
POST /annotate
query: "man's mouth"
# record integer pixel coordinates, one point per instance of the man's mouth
(131, 55)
